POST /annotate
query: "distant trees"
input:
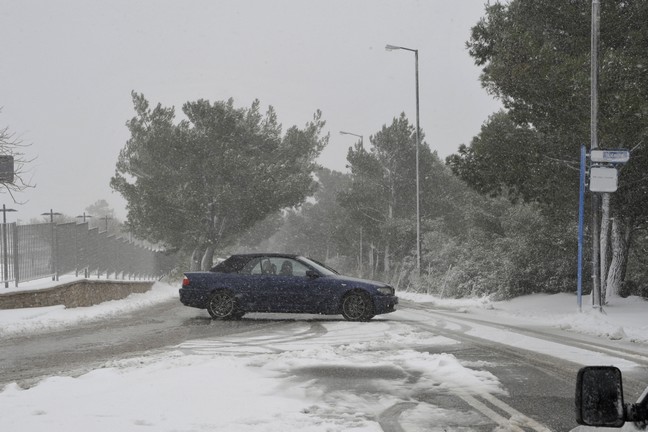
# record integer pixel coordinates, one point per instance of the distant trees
(101, 215)
(381, 199)
(201, 183)
(320, 227)
(100, 208)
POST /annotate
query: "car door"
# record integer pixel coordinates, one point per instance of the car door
(261, 286)
(291, 285)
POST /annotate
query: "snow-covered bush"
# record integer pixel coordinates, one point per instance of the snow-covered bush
(507, 250)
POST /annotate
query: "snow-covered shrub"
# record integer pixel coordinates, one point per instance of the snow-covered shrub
(507, 250)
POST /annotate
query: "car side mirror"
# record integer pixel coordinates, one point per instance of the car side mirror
(599, 397)
(312, 274)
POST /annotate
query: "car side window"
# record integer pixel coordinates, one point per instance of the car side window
(275, 266)
(252, 267)
(290, 267)
(261, 266)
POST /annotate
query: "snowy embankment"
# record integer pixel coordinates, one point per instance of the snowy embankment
(278, 382)
(622, 319)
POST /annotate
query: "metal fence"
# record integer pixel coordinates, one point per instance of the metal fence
(38, 251)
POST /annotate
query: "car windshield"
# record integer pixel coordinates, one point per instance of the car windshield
(323, 270)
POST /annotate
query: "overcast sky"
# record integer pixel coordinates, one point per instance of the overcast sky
(68, 68)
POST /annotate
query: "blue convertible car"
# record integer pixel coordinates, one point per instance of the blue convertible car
(283, 283)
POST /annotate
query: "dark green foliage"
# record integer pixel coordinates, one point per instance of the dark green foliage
(319, 228)
(504, 251)
(209, 178)
(382, 195)
(535, 57)
(509, 158)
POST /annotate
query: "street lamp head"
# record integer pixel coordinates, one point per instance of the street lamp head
(394, 48)
(349, 133)
(354, 134)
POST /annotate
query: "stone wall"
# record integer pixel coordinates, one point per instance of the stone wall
(73, 294)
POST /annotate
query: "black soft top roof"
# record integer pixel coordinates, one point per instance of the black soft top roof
(269, 254)
(237, 261)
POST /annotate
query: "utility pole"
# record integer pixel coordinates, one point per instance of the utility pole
(106, 219)
(51, 214)
(596, 198)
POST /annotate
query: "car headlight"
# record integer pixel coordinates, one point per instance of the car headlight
(387, 290)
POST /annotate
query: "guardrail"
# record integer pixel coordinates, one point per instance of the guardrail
(38, 251)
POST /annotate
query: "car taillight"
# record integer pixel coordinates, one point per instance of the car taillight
(185, 281)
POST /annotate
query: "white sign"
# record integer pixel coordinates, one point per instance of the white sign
(603, 179)
(610, 156)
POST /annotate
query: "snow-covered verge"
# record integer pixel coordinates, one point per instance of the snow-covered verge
(622, 319)
(278, 382)
(24, 321)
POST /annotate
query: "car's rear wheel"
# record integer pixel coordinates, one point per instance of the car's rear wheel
(222, 305)
(357, 306)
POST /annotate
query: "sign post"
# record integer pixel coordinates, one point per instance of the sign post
(603, 178)
(581, 216)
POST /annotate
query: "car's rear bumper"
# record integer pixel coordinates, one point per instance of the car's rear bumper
(193, 298)
(385, 304)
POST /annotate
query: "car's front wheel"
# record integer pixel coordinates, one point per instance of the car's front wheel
(222, 305)
(357, 306)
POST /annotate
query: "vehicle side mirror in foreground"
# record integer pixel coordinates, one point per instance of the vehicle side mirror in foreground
(599, 399)
(312, 274)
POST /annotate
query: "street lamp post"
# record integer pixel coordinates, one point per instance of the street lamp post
(362, 146)
(106, 219)
(418, 144)
(51, 214)
(84, 216)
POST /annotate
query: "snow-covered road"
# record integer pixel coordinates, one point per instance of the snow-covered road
(404, 371)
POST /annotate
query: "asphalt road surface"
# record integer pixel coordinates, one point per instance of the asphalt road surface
(540, 388)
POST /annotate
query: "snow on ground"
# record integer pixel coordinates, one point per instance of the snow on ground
(280, 382)
(23, 321)
(622, 319)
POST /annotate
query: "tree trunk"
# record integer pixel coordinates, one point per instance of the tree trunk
(208, 258)
(620, 243)
(212, 234)
(371, 260)
(361, 272)
(386, 261)
(195, 258)
(604, 243)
